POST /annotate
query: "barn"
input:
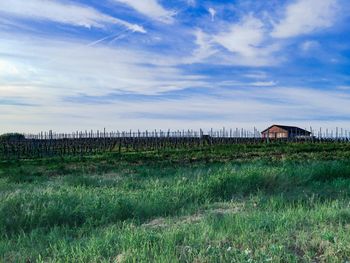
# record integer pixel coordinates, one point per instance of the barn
(285, 132)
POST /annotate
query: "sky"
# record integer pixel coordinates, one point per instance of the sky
(68, 65)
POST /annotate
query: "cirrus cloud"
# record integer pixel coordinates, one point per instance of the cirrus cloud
(306, 16)
(66, 13)
(150, 8)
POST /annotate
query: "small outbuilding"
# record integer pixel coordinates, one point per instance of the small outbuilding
(285, 132)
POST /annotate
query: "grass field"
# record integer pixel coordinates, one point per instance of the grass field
(240, 203)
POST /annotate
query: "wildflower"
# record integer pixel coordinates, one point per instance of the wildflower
(247, 251)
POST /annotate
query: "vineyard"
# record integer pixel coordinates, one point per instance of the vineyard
(49, 144)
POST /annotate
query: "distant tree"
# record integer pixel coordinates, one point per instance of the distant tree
(12, 137)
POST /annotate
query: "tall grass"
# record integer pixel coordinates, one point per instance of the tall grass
(201, 209)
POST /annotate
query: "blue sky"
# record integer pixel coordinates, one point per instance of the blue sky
(143, 64)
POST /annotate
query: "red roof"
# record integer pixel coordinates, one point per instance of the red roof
(288, 128)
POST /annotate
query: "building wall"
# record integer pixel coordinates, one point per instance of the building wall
(275, 132)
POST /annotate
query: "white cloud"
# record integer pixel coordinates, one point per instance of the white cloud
(204, 48)
(324, 102)
(247, 43)
(264, 84)
(345, 88)
(252, 107)
(72, 14)
(306, 16)
(243, 38)
(253, 42)
(309, 45)
(244, 45)
(212, 13)
(256, 75)
(192, 3)
(53, 70)
(150, 8)
(74, 68)
(8, 69)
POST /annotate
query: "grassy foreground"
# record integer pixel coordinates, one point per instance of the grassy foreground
(242, 203)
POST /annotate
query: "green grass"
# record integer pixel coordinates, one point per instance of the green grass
(241, 203)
